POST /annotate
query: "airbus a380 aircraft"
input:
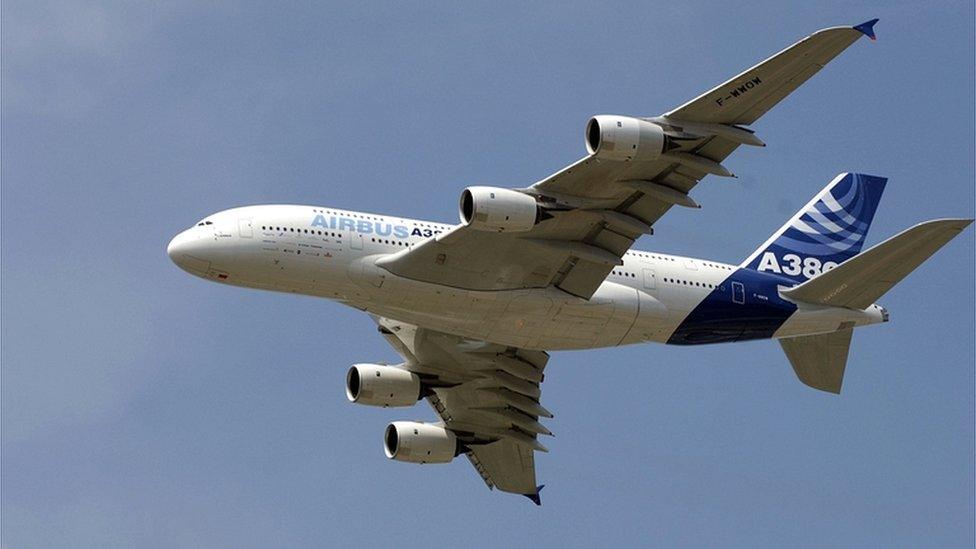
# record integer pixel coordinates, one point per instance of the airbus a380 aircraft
(473, 308)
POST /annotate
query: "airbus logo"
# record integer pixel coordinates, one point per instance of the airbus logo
(365, 226)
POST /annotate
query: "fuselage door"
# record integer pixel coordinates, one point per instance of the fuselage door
(244, 227)
(356, 241)
(738, 293)
(649, 279)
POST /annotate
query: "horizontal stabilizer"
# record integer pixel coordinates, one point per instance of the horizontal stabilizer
(819, 360)
(861, 280)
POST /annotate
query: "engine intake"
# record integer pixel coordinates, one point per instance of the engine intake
(498, 210)
(378, 385)
(415, 442)
(622, 138)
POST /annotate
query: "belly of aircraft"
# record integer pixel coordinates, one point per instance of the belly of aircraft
(541, 318)
(547, 318)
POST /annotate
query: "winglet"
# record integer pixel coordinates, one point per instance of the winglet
(535, 497)
(867, 29)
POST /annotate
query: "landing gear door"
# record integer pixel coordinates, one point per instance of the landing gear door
(244, 227)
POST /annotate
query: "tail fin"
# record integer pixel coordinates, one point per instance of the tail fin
(861, 281)
(829, 230)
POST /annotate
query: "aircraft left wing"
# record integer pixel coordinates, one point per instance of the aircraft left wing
(587, 215)
(487, 394)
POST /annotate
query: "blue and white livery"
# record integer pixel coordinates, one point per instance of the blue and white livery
(473, 308)
(828, 231)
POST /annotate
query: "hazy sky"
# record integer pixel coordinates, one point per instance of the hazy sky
(145, 407)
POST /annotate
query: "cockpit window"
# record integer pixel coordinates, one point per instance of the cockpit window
(202, 223)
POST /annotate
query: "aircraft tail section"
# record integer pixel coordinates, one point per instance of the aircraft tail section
(829, 230)
(861, 280)
(819, 360)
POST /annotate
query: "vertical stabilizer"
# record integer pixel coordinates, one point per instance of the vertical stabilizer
(829, 230)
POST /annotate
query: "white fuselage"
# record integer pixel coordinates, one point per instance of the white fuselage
(330, 253)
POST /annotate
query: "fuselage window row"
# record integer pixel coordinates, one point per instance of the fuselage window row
(390, 242)
(306, 231)
(689, 283)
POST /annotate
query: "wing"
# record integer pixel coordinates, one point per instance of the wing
(594, 209)
(747, 96)
(487, 394)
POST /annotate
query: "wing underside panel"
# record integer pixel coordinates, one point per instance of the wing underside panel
(487, 394)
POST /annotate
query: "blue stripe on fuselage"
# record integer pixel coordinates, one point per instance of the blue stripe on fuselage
(719, 319)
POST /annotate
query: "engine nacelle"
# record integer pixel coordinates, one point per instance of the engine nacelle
(386, 386)
(498, 210)
(611, 137)
(419, 442)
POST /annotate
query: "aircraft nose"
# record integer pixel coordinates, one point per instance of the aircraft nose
(173, 248)
(188, 250)
(177, 247)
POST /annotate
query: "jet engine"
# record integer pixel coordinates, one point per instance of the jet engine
(419, 442)
(386, 386)
(611, 137)
(498, 210)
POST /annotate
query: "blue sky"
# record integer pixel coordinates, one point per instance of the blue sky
(144, 407)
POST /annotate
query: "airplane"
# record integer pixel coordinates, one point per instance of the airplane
(473, 308)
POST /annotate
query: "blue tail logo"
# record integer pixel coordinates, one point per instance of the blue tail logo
(826, 232)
